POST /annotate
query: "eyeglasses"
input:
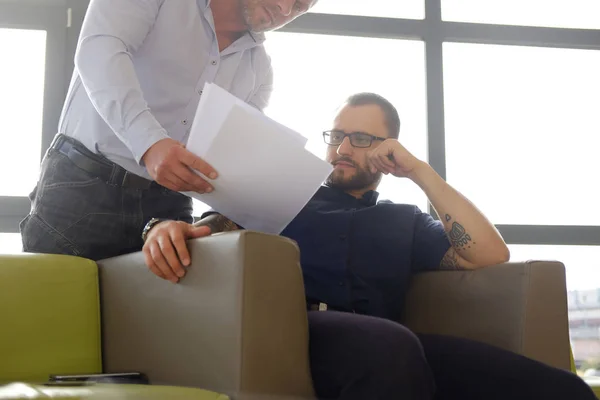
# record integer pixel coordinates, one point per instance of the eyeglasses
(357, 139)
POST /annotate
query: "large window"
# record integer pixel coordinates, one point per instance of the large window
(551, 13)
(325, 70)
(500, 96)
(522, 128)
(33, 85)
(414, 9)
(22, 83)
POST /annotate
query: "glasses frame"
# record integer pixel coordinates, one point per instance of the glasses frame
(351, 136)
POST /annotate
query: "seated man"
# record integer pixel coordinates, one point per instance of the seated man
(358, 255)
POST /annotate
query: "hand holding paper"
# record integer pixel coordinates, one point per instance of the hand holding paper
(266, 176)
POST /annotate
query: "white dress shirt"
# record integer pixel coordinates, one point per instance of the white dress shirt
(140, 67)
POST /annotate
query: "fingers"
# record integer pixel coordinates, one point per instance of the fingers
(157, 263)
(183, 253)
(167, 248)
(191, 181)
(165, 251)
(195, 162)
(198, 231)
(150, 263)
(173, 171)
(377, 165)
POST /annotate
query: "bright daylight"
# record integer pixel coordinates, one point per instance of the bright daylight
(498, 107)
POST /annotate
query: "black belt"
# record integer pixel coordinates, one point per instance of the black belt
(97, 165)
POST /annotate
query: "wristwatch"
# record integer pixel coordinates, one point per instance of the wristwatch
(149, 226)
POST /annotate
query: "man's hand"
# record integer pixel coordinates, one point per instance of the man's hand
(170, 164)
(165, 250)
(390, 157)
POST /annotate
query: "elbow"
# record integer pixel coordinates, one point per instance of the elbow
(503, 254)
(96, 49)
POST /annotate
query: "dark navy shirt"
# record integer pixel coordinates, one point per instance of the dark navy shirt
(359, 254)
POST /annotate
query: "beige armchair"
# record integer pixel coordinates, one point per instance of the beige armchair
(237, 322)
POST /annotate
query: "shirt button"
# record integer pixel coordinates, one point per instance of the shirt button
(343, 237)
(184, 122)
(200, 92)
(341, 283)
(214, 62)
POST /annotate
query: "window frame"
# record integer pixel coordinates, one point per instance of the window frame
(51, 17)
(55, 15)
(434, 31)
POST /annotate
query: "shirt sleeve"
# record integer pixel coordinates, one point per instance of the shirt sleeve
(261, 97)
(430, 242)
(112, 31)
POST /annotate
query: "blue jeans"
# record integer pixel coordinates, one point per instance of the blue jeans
(77, 213)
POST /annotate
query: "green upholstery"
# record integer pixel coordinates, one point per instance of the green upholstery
(50, 314)
(595, 384)
(120, 392)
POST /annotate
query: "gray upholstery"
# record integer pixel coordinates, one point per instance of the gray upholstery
(520, 307)
(237, 322)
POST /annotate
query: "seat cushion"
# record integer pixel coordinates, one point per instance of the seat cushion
(594, 382)
(121, 392)
(50, 317)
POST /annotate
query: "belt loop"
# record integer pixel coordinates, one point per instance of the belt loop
(113, 175)
(124, 179)
(57, 141)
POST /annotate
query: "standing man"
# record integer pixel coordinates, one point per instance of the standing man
(140, 66)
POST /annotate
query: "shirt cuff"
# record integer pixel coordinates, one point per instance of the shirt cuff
(140, 140)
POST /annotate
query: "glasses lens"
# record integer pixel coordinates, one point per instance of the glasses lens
(334, 137)
(361, 140)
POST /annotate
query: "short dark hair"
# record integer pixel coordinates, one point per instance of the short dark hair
(392, 119)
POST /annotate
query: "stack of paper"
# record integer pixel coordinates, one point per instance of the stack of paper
(266, 176)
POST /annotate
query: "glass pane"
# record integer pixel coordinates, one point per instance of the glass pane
(411, 9)
(583, 282)
(10, 243)
(21, 101)
(312, 84)
(551, 13)
(522, 129)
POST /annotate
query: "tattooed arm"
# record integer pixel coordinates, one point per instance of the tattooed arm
(218, 223)
(475, 241)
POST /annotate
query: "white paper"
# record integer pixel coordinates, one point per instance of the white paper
(213, 108)
(266, 176)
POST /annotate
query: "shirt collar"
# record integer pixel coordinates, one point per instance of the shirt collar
(368, 199)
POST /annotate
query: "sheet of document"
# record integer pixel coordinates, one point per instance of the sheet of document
(266, 176)
(213, 108)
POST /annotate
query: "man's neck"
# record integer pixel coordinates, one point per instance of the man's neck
(229, 21)
(359, 193)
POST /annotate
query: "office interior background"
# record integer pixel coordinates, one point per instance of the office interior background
(501, 97)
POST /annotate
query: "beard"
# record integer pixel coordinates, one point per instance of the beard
(253, 24)
(362, 179)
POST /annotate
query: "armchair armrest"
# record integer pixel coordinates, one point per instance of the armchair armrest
(236, 323)
(521, 307)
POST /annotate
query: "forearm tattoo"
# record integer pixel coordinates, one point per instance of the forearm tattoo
(450, 260)
(218, 223)
(459, 238)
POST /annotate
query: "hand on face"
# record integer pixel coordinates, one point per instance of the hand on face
(390, 157)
